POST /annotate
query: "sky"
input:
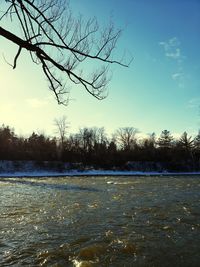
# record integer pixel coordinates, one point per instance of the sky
(159, 90)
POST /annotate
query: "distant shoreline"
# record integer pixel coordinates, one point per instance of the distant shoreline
(97, 173)
(64, 169)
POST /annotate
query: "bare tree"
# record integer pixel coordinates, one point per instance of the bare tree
(126, 137)
(91, 137)
(86, 136)
(61, 125)
(63, 45)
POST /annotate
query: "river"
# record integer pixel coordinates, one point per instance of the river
(100, 221)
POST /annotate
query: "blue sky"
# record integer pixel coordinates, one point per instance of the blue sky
(160, 90)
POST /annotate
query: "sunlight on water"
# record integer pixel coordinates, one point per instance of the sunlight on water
(103, 221)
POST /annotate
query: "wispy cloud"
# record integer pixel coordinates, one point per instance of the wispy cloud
(179, 77)
(172, 48)
(194, 103)
(173, 52)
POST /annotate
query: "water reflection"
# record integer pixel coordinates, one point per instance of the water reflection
(46, 185)
(100, 221)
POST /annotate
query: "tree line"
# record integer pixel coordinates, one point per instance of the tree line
(92, 147)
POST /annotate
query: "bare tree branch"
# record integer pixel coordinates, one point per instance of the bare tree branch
(16, 57)
(63, 45)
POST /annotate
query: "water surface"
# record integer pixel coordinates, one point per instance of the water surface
(100, 221)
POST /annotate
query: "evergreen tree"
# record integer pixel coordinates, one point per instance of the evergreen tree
(197, 141)
(186, 142)
(165, 140)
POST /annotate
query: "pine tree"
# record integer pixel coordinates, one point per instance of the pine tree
(165, 140)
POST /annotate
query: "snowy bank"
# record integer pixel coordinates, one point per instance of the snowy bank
(75, 173)
(59, 169)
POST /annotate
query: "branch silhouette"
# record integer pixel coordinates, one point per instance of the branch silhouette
(64, 46)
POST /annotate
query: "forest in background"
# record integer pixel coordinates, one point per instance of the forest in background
(92, 148)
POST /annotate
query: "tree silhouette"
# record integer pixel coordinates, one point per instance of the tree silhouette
(197, 142)
(91, 147)
(186, 141)
(63, 45)
(62, 125)
(165, 140)
(126, 137)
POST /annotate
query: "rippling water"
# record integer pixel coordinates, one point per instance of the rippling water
(100, 221)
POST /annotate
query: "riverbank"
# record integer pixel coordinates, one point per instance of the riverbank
(89, 173)
(61, 169)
